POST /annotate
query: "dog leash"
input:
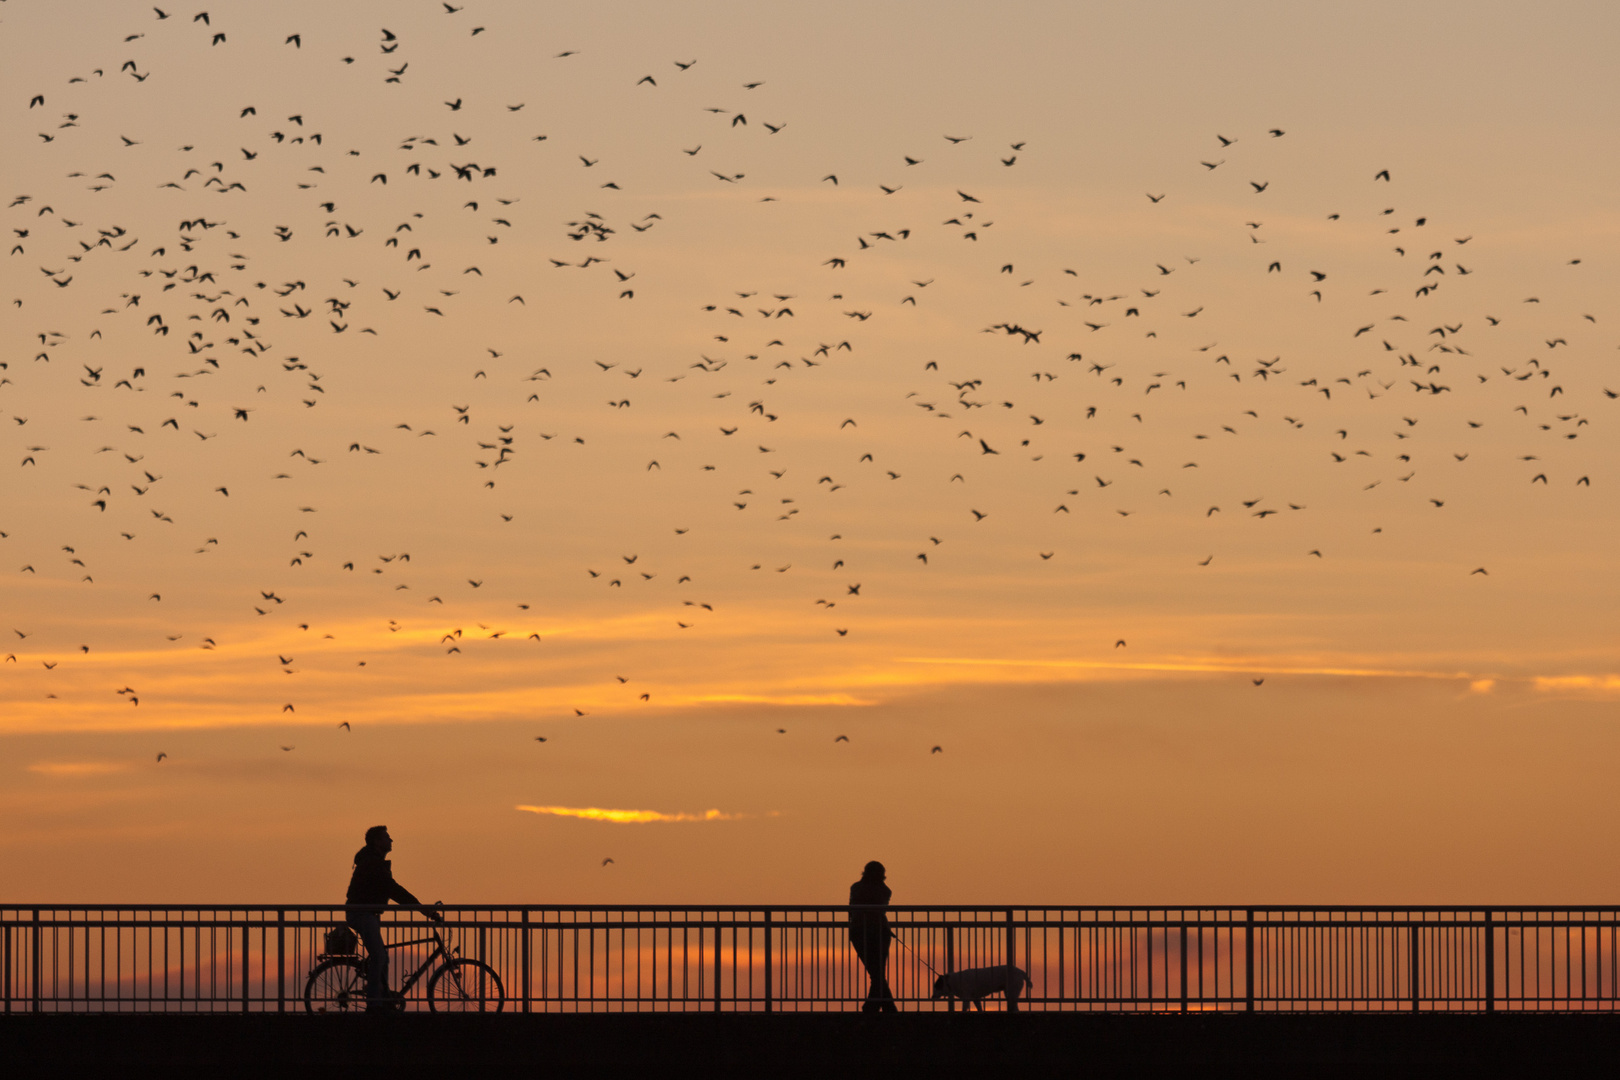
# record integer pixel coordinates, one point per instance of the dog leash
(915, 953)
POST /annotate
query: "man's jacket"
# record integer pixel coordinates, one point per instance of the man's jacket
(373, 881)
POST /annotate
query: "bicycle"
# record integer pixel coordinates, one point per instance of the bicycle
(338, 984)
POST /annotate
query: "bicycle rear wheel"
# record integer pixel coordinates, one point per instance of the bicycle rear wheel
(336, 985)
(466, 986)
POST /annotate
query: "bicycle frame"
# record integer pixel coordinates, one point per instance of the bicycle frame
(439, 953)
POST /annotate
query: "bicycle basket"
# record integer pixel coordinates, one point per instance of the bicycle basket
(341, 941)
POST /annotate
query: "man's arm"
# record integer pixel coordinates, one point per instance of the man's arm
(400, 895)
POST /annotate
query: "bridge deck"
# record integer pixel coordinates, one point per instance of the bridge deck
(850, 1046)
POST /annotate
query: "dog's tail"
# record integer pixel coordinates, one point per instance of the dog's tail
(1029, 984)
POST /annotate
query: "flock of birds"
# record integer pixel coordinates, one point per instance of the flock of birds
(180, 286)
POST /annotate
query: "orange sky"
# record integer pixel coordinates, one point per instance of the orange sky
(774, 457)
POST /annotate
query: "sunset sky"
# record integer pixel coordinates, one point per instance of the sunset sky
(1194, 420)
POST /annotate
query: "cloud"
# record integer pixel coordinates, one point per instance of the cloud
(78, 768)
(625, 817)
(1005, 670)
(1601, 684)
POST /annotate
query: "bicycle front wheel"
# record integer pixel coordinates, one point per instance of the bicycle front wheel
(466, 986)
(336, 985)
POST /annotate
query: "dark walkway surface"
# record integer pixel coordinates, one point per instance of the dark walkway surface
(842, 1046)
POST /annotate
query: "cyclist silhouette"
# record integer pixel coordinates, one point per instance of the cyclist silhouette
(371, 886)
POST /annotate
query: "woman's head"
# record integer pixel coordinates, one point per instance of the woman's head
(874, 871)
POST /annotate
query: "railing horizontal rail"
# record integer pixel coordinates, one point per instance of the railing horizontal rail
(1052, 924)
(597, 957)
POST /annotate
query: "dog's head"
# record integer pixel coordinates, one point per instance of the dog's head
(942, 988)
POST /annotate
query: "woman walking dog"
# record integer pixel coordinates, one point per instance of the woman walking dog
(869, 933)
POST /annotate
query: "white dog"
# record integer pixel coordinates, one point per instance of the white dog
(975, 984)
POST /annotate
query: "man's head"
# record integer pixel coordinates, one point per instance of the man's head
(874, 871)
(378, 839)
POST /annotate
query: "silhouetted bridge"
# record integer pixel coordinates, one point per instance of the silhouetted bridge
(764, 959)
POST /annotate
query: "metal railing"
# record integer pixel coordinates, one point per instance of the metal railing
(592, 958)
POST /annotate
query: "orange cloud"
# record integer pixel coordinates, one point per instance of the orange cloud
(625, 817)
(1602, 684)
(78, 768)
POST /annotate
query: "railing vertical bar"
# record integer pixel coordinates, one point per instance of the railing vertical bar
(281, 960)
(247, 948)
(1182, 948)
(1585, 992)
(1490, 961)
(1199, 930)
(524, 978)
(770, 1004)
(1148, 935)
(1412, 964)
(1568, 966)
(1063, 934)
(545, 958)
(1248, 961)
(590, 961)
(35, 964)
(1012, 941)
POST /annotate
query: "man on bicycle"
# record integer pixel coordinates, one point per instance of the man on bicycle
(372, 884)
